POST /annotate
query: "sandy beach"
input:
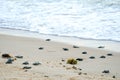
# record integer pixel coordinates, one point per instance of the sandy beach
(53, 55)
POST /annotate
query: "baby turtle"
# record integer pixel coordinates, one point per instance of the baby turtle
(92, 57)
(6, 56)
(79, 59)
(9, 61)
(19, 57)
(41, 48)
(75, 46)
(84, 52)
(65, 49)
(101, 47)
(36, 63)
(109, 54)
(48, 40)
(102, 57)
(27, 67)
(106, 71)
(25, 63)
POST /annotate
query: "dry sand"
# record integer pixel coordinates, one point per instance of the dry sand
(52, 67)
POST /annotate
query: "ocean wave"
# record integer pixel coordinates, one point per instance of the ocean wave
(96, 19)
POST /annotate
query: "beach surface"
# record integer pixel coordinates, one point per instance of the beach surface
(52, 53)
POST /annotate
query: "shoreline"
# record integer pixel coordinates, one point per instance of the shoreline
(91, 43)
(35, 32)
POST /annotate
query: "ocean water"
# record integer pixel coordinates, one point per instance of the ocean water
(95, 19)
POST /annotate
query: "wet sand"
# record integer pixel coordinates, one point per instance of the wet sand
(53, 60)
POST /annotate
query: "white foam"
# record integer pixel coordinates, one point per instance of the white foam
(82, 18)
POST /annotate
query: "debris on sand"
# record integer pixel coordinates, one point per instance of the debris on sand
(25, 63)
(101, 47)
(27, 67)
(106, 71)
(65, 49)
(6, 56)
(36, 63)
(41, 48)
(92, 57)
(9, 61)
(71, 61)
(19, 57)
(79, 59)
(75, 46)
(109, 54)
(48, 40)
(102, 57)
(84, 52)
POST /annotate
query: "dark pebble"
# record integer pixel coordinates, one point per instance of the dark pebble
(75, 46)
(102, 57)
(48, 40)
(84, 52)
(65, 49)
(9, 61)
(101, 46)
(109, 54)
(92, 57)
(19, 57)
(106, 71)
(113, 77)
(27, 67)
(63, 60)
(79, 73)
(36, 63)
(41, 48)
(85, 73)
(6, 55)
(25, 63)
(46, 76)
(79, 59)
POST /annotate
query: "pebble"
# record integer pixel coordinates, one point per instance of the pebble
(75, 46)
(109, 54)
(101, 47)
(79, 59)
(65, 49)
(84, 52)
(36, 63)
(26, 63)
(48, 40)
(102, 57)
(19, 57)
(27, 67)
(41, 48)
(106, 71)
(92, 57)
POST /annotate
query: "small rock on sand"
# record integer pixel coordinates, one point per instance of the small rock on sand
(92, 57)
(106, 71)
(48, 40)
(75, 46)
(25, 63)
(41, 48)
(6, 56)
(36, 63)
(19, 57)
(113, 77)
(27, 67)
(9, 61)
(79, 59)
(65, 49)
(84, 52)
(102, 57)
(101, 47)
(109, 54)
